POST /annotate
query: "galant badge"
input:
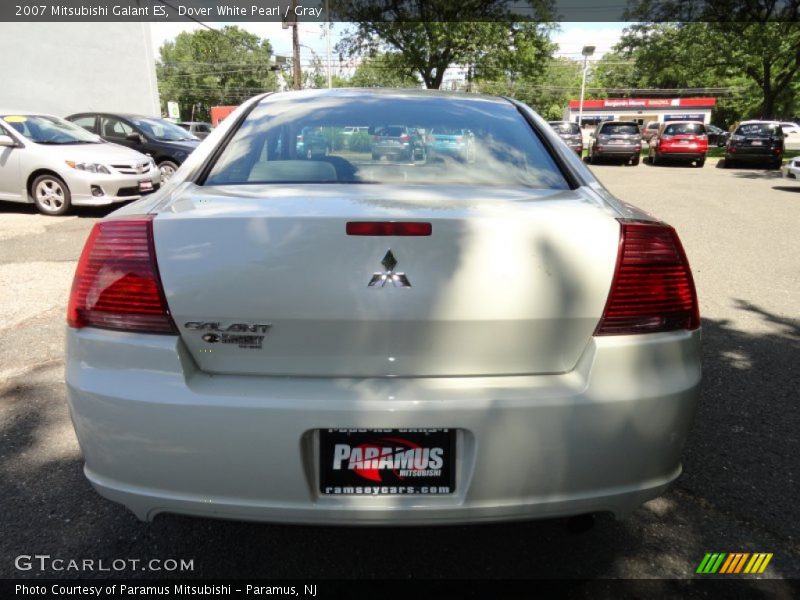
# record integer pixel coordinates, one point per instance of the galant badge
(382, 278)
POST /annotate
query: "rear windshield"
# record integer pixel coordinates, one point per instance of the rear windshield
(685, 128)
(619, 129)
(269, 146)
(759, 129)
(391, 131)
(566, 128)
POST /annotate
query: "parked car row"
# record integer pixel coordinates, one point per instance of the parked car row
(679, 141)
(87, 159)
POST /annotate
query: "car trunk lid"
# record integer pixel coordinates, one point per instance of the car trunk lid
(265, 280)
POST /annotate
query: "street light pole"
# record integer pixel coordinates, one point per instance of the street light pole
(587, 52)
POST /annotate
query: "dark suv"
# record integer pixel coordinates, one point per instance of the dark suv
(167, 143)
(618, 140)
(398, 142)
(756, 141)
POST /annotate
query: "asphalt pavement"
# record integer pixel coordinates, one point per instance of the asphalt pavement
(739, 491)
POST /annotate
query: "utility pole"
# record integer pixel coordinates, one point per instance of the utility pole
(297, 74)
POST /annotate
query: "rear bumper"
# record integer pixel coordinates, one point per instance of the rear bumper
(681, 155)
(160, 436)
(754, 156)
(617, 150)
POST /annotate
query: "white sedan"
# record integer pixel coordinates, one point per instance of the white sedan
(55, 165)
(339, 340)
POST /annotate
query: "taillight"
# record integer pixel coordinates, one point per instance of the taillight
(405, 138)
(653, 289)
(116, 284)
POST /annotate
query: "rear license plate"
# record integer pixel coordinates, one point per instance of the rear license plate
(387, 462)
(146, 186)
(617, 141)
(757, 143)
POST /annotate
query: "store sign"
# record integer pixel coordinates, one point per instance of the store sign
(685, 117)
(641, 103)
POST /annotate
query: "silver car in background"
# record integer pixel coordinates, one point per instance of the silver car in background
(570, 133)
(340, 340)
(55, 165)
(616, 140)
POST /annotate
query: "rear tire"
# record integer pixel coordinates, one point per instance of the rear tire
(728, 164)
(700, 163)
(654, 159)
(51, 195)
(635, 160)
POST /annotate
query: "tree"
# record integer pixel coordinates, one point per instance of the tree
(384, 70)
(208, 68)
(431, 35)
(756, 42)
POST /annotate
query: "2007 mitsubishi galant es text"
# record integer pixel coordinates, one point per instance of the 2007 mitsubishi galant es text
(427, 339)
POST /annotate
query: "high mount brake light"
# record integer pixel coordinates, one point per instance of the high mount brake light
(117, 285)
(653, 289)
(400, 228)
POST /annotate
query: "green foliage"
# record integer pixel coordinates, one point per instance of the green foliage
(431, 35)
(359, 142)
(740, 44)
(547, 92)
(384, 70)
(211, 68)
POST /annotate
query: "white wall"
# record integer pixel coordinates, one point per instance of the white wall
(63, 68)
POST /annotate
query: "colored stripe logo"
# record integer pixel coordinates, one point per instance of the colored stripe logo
(734, 562)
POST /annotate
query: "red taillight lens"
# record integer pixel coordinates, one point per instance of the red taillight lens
(408, 228)
(116, 284)
(653, 289)
(405, 138)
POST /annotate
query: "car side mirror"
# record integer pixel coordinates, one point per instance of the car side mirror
(135, 137)
(7, 141)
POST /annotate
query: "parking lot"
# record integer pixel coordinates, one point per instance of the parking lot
(739, 491)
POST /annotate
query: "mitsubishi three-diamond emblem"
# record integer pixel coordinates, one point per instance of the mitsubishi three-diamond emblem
(382, 278)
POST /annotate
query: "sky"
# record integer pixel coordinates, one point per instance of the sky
(571, 38)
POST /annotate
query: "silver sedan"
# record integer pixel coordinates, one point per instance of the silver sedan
(55, 164)
(336, 340)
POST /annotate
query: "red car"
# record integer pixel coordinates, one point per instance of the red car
(685, 141)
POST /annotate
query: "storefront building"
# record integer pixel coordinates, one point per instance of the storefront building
(641, 110)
